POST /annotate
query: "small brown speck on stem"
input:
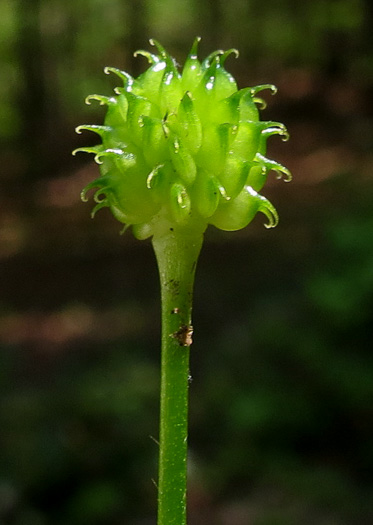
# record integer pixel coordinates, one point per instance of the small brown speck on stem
(184, 335)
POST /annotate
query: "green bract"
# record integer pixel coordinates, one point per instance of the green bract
(183, 150)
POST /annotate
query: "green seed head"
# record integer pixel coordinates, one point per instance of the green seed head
(183, 150)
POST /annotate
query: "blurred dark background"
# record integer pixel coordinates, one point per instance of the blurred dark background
(281, 413)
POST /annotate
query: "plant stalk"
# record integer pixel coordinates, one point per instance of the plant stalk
(177, 257)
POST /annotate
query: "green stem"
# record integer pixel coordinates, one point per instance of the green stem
(177, 257)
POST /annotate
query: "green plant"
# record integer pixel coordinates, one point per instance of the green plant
(179, 152)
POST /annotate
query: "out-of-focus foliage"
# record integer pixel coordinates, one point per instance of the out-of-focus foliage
(281, 411)
(297, 382)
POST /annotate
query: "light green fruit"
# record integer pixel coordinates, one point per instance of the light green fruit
(183, 150)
